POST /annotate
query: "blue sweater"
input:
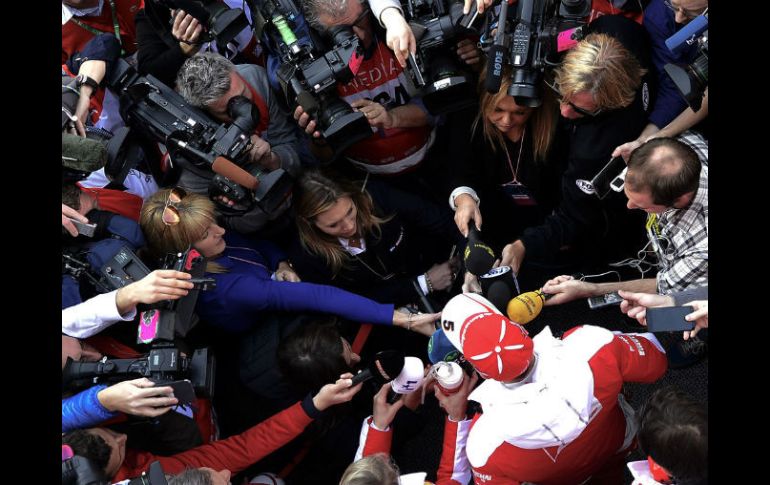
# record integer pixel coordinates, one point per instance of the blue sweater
(659, 22)
(83, 410)
(246, 290)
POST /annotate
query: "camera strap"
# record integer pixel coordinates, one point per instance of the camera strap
(115, 26)
(259, 101)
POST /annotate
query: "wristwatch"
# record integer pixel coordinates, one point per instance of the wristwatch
(88, 81)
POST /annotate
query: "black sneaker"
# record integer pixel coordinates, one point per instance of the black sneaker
(684, 353)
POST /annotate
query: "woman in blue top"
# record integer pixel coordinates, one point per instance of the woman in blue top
(251, 277)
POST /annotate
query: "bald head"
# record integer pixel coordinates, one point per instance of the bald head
(664, 167)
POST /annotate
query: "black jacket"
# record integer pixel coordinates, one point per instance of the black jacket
(599, 230)
(485, 170)
(385, 271)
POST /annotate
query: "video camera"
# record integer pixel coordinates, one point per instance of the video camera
(445, 82)
(691, 80)
(221, 22)
(158, 326)
(79, 470)
(309, 78)
(164, 116)
(528, 40)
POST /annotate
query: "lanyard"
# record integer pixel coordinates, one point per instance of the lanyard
(518, 160)
(115, 26)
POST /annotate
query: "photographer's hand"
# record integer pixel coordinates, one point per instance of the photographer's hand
(398, 36)
(262, 154)
(138, 397)
(162, 284)
(470, 54)
(305, 122)
(66, 213)
(376, 114)
(187, 30)
(481, 5)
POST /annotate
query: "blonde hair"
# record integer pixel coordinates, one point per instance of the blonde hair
(600, 65)
(196, 214)
(542, 120)
(318, 192)
(377, 469)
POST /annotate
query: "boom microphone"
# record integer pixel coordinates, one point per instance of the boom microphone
(496, 53)
(385, 366)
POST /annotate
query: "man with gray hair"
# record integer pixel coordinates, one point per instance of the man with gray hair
(208, 80)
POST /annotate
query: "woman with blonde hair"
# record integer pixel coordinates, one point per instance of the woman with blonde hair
(252, 277)
(512, 166)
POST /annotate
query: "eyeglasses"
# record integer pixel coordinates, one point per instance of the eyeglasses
(170, 216)
(359, 20)
(555, 88)
(687, 13)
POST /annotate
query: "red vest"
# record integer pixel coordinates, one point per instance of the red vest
(388, 151)
(75, 37)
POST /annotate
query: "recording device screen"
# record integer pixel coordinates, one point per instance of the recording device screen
(605, 300)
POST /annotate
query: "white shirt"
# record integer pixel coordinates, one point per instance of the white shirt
(92, 316)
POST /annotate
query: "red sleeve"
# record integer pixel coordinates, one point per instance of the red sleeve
(372, 440)
(240, 451)
(454, 468)
(640, 357)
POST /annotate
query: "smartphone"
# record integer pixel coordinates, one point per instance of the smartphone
(669, 319)
(609, 173)
(183, 390)
(83, 228)
(604, 300)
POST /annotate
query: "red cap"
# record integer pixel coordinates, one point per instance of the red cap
(497, 347)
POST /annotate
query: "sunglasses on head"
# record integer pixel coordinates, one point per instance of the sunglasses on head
(555, 88)
(170, 215)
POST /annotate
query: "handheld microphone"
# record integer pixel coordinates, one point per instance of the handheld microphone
(408, 380)
(385, 366)
(525, 307)
(499, 285)
(427, 307)
(496, 53)
(499, 294)
(479, 257)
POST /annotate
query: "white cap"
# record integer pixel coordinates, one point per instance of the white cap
(460, 309)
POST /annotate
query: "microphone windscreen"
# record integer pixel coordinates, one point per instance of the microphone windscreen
(82, 154)
(499, 294)
(525, 307)
(479, 257)
(385, 366)
(495, 64)
(440, 348)
(410, 378)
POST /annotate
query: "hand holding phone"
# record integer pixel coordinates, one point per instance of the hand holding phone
(183, 391)
(669, 319)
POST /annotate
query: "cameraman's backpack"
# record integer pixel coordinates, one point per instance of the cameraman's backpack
(83, 260)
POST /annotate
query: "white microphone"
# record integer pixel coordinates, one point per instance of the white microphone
(409, 380)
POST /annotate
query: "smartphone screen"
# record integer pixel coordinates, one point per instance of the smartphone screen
(669, 319)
